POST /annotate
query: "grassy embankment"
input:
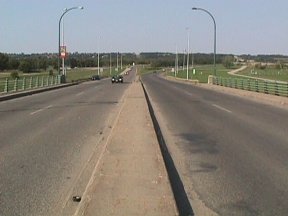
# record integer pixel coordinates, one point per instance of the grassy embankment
(203, 71)
(269, 72)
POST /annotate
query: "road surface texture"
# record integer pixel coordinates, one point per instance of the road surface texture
(50, 143)
(230, 152)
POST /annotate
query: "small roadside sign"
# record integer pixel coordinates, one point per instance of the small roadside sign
(63, 53)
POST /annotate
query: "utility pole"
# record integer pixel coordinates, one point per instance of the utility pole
(188, 49)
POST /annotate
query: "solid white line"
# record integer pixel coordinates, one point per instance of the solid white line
(37, 111)
(222, 108)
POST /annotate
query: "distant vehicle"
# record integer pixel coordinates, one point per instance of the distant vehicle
(117, 79)
(95, 77)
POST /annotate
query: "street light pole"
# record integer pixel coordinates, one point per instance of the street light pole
(194, 8)
(121, 60)
(117, 62)
(98, 58)
(110, 64)
(188, 49)
(59, 51)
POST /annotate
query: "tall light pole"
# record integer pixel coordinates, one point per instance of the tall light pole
(59, 51)
(117, 61)
(184, 53)
(188, 49)
(194, 8)
(110, 64)
(98, 58)
(177, 60)
(121, 56)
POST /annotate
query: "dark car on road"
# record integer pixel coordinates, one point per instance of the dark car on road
(95, 77)
(117, 79)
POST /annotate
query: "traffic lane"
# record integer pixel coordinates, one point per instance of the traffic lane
(34, 101)
(37, 99)
(43, 160)
(267, 119)
(16, 113)
(234, 166)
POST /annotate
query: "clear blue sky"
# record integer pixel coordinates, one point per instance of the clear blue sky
(243, 26)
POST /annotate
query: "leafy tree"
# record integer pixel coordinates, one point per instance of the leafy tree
(43, 64)
(13, 64)
(4, 59)
(228, 61)
(73, 63)
(26, 66)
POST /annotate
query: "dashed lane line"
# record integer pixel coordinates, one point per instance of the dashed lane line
(221, 108)
(39, 110)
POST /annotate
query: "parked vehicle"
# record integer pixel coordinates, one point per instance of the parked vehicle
(95, 77)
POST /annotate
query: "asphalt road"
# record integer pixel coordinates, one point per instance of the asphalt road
(47, 144)
(231, 153)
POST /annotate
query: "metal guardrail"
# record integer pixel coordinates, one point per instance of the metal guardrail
(262, 86)
(26, 83)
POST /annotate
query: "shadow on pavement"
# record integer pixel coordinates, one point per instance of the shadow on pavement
(181, 198)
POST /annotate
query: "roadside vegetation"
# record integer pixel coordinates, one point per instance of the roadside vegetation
(201, 72)
(272, 72)
(83, 65)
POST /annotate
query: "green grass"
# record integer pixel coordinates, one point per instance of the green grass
(145, 69)
(267, 73)
(6, 74)
(202, 72)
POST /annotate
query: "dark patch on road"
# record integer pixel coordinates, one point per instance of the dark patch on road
(198, 144)
(204, 167)
(238, 208)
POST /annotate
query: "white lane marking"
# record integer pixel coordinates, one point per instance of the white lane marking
(222, 108)
(80, 93)
(37, 111)
(188, 93)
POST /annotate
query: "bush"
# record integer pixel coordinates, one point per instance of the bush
(50, 72)
(14, 75)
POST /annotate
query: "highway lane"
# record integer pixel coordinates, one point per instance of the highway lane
(47, 141)
(231, 153)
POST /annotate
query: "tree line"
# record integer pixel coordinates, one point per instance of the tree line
(40, 62)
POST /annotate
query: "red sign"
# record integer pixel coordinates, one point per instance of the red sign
(63, 53)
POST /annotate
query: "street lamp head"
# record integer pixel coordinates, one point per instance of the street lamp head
(194, 8)
(81, 7)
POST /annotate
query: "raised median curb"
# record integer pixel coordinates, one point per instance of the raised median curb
(181, 198)
(131, 177)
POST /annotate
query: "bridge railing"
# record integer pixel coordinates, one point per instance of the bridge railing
(8, 85)
(262, 86)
